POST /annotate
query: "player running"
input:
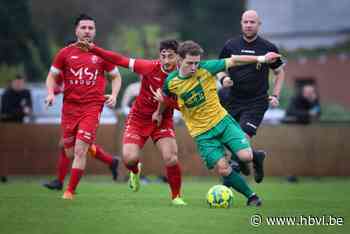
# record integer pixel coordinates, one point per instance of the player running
(139, 125)
(64, 162)
(83, 97)
(194, 86)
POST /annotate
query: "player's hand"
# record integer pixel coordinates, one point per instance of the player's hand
(271, 57)
(49, 100)
(227, 82)
(157, 117)
(274, 102)
(157, 95)
(84, 45)
(111, 100)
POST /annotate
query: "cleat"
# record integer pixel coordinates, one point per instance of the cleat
(258, 164)
(68, 195)
(114, 168)
(134, 179)
(244, 168)
(54, 185)
(254, 200)
(178, 201)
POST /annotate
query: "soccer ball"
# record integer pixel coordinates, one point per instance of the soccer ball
(219, 196)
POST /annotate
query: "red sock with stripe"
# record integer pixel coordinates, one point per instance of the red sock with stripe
(63, 166)
(75, 177)
(97, 152)
(133, 167)
(174, 179)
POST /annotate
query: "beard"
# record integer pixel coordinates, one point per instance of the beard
(250, 35)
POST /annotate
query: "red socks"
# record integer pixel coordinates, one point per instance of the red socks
(63, 166)
(133, 168)
(75, 176)
(174, 179)
(97, 152)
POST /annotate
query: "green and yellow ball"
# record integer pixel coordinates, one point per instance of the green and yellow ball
(219, 196)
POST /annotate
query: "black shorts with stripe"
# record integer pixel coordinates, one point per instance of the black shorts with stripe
(248, 115)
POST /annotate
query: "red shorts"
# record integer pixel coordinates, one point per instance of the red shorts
(80, 121)
(138, 130)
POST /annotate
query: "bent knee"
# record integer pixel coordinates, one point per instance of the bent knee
(130, 157)
(245, 155)
(170, 159)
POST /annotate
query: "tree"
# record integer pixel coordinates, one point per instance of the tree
(210, 23)
(20, 42)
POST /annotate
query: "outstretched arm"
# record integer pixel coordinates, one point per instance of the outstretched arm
(237, 60)
(109, 56)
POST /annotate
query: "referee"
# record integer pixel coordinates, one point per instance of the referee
(245, 88)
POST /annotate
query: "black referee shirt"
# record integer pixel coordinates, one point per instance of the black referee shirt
(250, 81)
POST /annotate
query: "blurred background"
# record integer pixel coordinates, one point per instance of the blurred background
(313, 36)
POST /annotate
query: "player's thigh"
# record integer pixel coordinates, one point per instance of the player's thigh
(210, 149)
(168, 149)
(251, 118)
(234, 138)
(87, 127)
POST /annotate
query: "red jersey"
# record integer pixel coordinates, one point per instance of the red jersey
(83, 75)
(152, 77)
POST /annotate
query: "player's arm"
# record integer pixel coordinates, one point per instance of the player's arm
(238, 60)
(277, 86)
(116, 82)
(50, 86)
(223, 76)
(110, 56)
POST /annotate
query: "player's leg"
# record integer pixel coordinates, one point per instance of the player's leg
(78, 167)
(168, 148)
(98, 153)
(62, 169)
(249, 122)
(131, 159)
(236, 181)
(85, 134)
(212, 153)
(236, 111)
(134, 138)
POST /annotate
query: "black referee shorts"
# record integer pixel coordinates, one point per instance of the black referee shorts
(248, 115)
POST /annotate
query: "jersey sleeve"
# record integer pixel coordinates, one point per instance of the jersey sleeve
(278, 62)
(58, 63)
(167, 85)
(214, 66)
(111, 57)
(142, 66)
(111, 69)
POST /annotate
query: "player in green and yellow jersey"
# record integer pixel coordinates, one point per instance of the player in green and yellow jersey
(194, 86)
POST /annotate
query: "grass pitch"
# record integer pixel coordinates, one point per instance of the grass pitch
(105, 207)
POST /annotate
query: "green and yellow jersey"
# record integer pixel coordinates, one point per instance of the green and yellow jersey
(197, 96)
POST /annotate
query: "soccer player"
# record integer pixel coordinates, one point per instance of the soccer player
(194, 86)
(139, 125)
(83, 97)
(64, 162)
(245, 93)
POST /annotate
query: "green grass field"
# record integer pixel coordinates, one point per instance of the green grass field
(105, 207)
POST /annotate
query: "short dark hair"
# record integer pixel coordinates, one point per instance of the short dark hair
(190, 48)
(83, 17)
(169, 44)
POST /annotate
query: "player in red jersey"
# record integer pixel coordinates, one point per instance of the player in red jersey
(83, 96)
(139, 125)
(64, 162)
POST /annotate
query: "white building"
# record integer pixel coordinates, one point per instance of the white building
(295, 24)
